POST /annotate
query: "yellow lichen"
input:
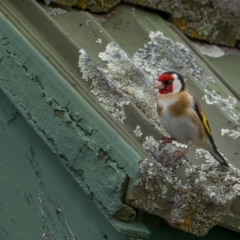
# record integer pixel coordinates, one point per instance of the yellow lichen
(233, 43)
(102, 3)
(75, 2)
(81, 4)
(181, 23)
(69, 3)
(187, 224)
(194, 34)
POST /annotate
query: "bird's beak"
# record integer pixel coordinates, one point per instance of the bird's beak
(159, 85)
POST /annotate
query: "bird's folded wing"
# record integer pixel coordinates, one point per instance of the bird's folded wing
(198, 109)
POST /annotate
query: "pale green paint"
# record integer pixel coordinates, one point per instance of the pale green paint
(34, 184)
(68, 125)
(229, 66)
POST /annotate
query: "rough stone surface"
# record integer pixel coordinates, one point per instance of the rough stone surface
(126, 214)
(94, 5)
(212, 20)
(192, 198)
(215, 21)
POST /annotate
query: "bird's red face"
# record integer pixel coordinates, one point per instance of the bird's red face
(165, 83)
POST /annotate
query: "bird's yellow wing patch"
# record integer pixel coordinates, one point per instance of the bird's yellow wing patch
(205, 123)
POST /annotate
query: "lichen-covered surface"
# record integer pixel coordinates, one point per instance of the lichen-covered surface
(193, 198)
(160, 227)
(93, 5)
(104, 88)
(216, 21)
(133, 79)
(153, 56)
(128, 80)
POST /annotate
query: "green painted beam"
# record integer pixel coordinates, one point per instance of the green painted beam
(100, 161)
(59, 49)
(38, 195)
(229, 67)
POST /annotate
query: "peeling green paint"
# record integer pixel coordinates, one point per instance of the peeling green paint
(40, 196)
(48, 103)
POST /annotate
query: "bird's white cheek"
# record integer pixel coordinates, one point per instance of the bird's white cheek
(176, 87)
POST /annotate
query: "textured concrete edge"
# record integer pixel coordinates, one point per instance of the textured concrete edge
(98, 159)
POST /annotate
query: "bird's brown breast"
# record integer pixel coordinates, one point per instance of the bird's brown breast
(180, 103)
(181, 107)
(159, 110)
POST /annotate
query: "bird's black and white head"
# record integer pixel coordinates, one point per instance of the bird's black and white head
(170, 83)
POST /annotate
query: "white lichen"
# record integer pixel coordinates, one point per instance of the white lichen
(99, 41)
(150, 143)
(199, 201)
(47, 2)
(100, 19)
(138, 131)
(231, 133)
(88, 21)
(228, 105)
(103, 87)
(131, 79)
(161, 54)
(204, 154)
(179, 145)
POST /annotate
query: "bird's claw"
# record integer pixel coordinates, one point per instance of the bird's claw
(165, 140)
(180, 153)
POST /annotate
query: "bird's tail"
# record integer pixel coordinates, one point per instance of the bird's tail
(217, 155)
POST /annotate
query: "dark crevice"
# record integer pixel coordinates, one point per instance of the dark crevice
(124, 187)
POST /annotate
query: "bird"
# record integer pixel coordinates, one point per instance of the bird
(182, 116)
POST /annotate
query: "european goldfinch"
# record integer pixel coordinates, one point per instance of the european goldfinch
(182, 116)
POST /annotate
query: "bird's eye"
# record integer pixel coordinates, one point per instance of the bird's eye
(169, 81)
